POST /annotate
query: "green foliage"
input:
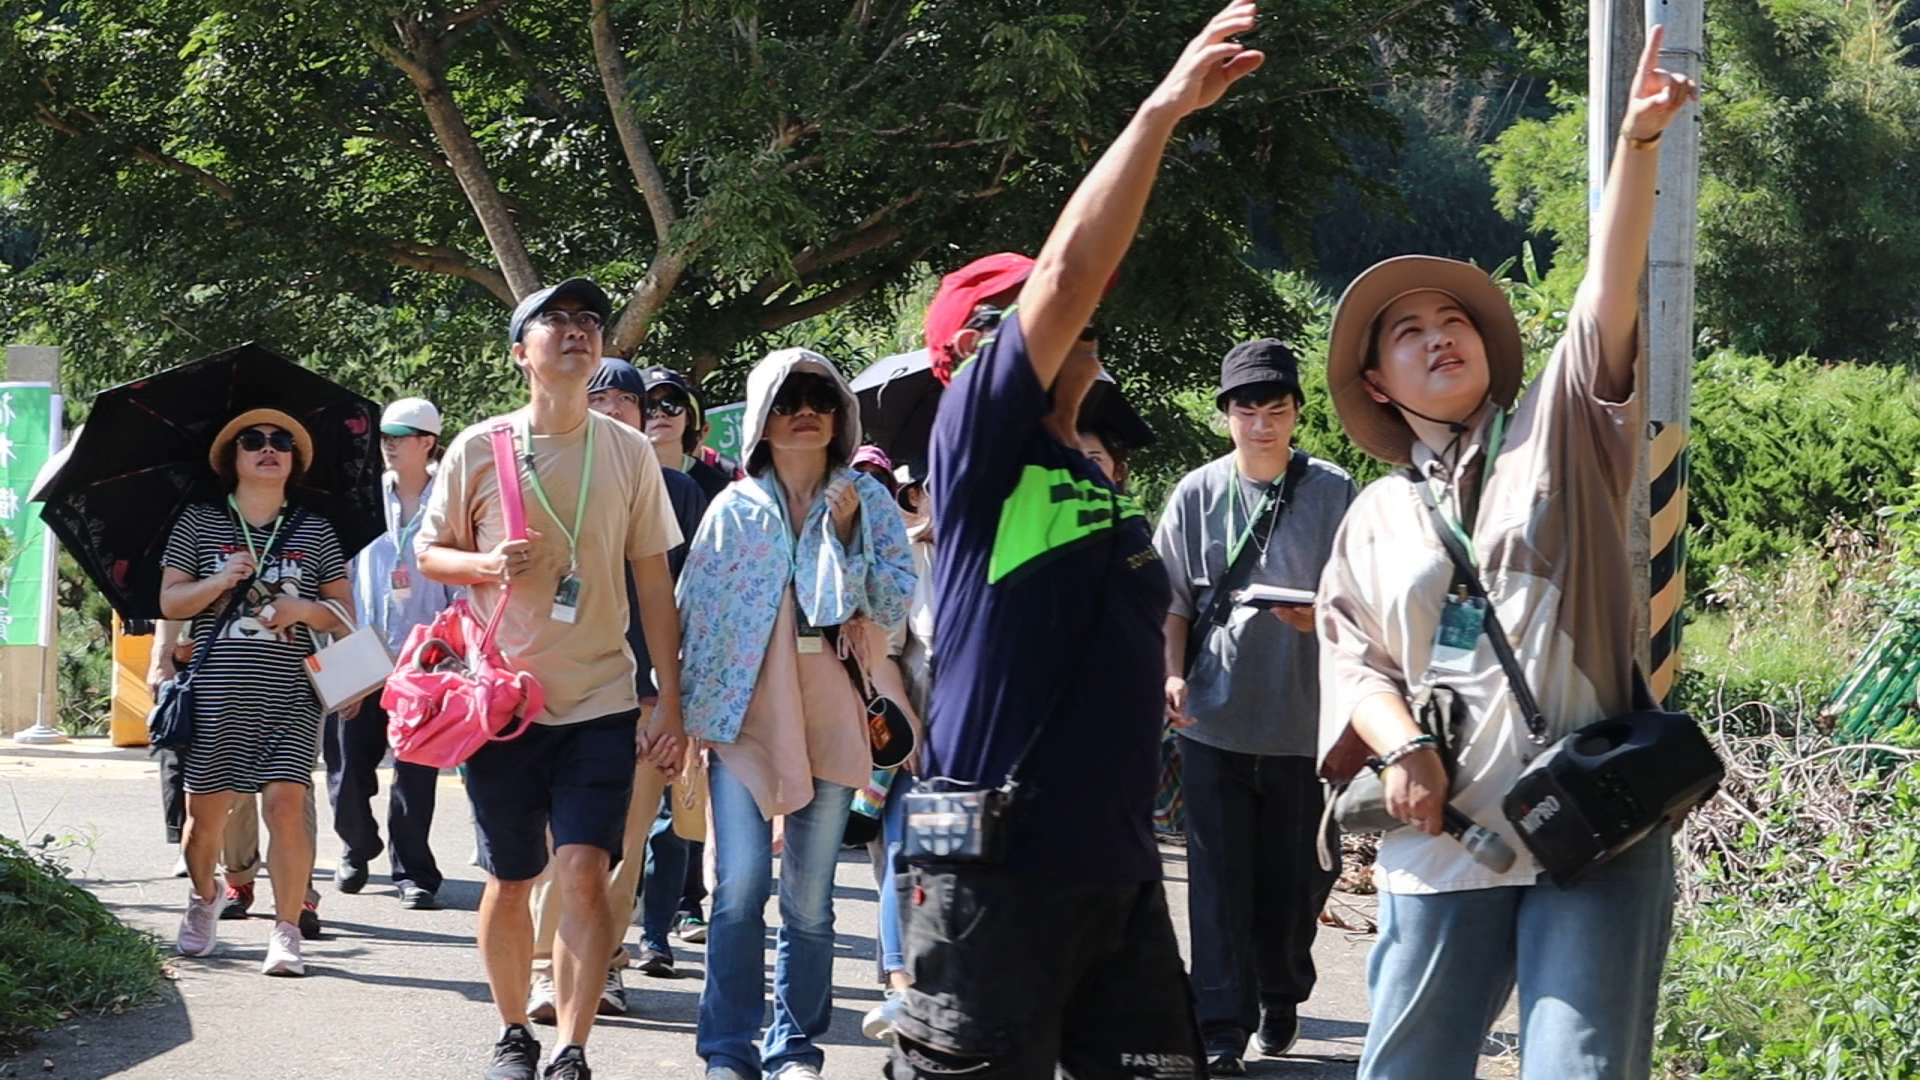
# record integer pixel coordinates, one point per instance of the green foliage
(84, 654)
(1803, 962)
(1809, 212)
(200, 176)
(61, 951)
(1780, 449)
(1539, 174)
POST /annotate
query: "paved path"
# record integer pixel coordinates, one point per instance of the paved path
(395, 993)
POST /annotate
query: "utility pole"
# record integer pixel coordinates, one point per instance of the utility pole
(1668, 316)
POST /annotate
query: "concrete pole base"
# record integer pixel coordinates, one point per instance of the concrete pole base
(39, 735)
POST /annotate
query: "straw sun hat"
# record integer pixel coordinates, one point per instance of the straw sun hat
(302, 442)
(1378, 428)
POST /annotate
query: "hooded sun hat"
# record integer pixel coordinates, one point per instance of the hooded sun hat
(302, 442)
(763, 383)
(962, 291)
(410, 416)
(1378, 428)
(590, 295)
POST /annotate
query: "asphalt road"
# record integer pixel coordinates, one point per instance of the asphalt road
(395, 993)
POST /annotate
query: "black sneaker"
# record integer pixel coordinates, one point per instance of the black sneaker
(1226, 1063)
(1279, 1030)
(415, 898)
(569, 1064)
(515, 1057)
(310, 921)
(657, 964)
(351, 877)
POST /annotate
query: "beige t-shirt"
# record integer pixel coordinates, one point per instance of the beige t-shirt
(1551, 543)
(585, 667)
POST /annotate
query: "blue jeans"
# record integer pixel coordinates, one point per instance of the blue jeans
(1587, 960)
(893, 825)
(735, 997)
(666, 874)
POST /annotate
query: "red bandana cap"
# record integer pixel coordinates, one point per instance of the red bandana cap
(962, 291)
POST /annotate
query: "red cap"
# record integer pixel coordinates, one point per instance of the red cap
(962, 291)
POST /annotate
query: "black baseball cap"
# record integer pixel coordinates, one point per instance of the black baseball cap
(616, 374)
(1267, 360)
(591, 296)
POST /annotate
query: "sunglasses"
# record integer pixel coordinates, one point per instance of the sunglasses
(665, 407)
(254, 441)
(557, 319)
(817, 396)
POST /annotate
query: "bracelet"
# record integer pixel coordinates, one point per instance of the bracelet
(1636, 143)
(1408, 749)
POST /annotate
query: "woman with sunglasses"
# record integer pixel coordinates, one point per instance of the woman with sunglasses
(802, 562)
(256, 722)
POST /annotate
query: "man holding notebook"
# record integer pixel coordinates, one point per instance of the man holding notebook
(1244, 539)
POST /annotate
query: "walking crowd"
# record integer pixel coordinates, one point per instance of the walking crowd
(969, 664)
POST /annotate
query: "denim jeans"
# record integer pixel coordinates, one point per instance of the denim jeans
(735, 997)
(1587, 960)
(666, 874)
(893, 824)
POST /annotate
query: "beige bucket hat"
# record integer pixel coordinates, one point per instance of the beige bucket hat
(303, 442)
(1377, 428)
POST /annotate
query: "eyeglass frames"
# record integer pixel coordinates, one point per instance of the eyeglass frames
(557, 319)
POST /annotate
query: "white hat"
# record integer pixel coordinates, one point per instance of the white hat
(410, 416)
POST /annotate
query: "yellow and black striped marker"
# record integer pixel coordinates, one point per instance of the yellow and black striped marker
(1667, 541)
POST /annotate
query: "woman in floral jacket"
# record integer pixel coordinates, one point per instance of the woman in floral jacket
(803, 543)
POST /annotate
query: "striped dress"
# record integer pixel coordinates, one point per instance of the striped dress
(256, 719)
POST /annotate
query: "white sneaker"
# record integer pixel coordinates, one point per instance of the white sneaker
(199, 924)
(283, 951)
(799, 1070)
(180, 866)
(613, 996)
(878, 1024)
(540, 1006)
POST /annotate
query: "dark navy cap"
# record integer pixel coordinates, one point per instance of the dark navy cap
(590, 295)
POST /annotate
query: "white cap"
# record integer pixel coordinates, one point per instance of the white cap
(410, 415)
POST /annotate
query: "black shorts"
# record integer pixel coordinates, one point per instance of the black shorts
(1015, 976)
(573, 778)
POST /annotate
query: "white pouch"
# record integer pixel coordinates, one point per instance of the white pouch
(350, 667)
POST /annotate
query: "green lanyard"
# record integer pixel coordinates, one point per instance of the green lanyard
(580, 510)
(402, 533)
(246, 529)
(1233, 502)
(1464, 530)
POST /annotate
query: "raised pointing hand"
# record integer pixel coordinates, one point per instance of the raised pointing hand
(1658, 94)
(1210, 63)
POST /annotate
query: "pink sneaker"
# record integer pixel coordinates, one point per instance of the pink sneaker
(283, 951)
(198, 925)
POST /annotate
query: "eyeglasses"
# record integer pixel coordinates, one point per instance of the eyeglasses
(557, 319)
(819, 397)
(665, 407)
(253, 441)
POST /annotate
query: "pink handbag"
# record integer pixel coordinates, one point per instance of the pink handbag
(451, 692)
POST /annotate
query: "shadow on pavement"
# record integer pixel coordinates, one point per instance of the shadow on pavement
(102, 1046)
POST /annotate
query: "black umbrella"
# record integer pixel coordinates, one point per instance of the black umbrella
(1107, 409)
(142, 457)
(898, 396)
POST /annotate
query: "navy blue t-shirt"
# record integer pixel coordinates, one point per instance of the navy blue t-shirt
(1028, 547)
(689, 506)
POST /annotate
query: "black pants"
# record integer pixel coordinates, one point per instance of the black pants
(1256, 887)
(173, 793)
(1015, 976)
(354, 746)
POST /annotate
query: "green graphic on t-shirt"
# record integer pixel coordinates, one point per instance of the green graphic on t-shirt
(1049, 510)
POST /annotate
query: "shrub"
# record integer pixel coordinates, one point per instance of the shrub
(61, 951)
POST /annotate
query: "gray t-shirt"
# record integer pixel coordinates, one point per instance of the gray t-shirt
(1254, 687)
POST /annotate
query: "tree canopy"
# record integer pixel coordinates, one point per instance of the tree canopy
(349, 180)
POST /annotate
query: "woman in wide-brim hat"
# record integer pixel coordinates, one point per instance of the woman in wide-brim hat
(1425, 368)
(256, 721)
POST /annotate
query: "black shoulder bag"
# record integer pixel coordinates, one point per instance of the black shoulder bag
(1234, 577)
(1600, 790)
(170, 723)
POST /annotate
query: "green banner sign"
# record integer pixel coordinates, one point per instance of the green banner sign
(27, 434)
(723, 432)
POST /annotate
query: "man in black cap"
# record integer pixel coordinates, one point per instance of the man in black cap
(1244, 539)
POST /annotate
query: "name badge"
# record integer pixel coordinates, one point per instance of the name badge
(1455, 641)
(400, 583)
(566, 600)
(811, 641)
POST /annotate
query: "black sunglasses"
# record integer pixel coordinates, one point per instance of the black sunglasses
(254, 441)
(815, 395)
(664, 406)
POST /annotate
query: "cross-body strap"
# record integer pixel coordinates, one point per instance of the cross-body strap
(239, 594)
(1465, 575)
(1241, 567)
(512, 508)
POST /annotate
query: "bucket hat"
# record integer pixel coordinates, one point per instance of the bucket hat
(302, 442)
